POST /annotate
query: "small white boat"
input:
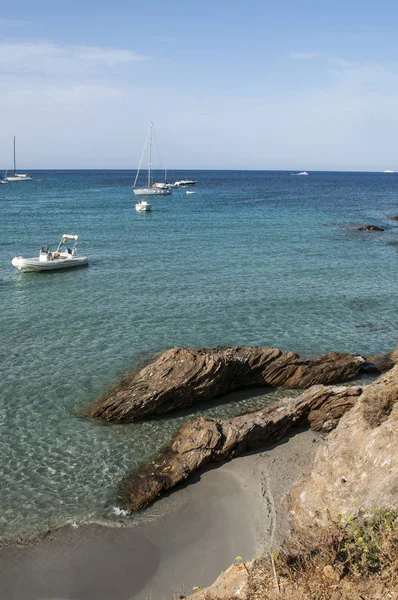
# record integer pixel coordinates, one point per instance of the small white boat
(64, 257)
(190, 192)
(16, 176)
(152, 189)
(302, 173)
(184, 182)
(388, 171)
(143, 206)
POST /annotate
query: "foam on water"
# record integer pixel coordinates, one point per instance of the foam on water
(251, 258)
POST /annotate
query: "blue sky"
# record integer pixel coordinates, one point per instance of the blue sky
(245, 85)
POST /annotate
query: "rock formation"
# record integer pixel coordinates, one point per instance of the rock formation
(369, 228)
(181, 377)
(358, 466)
(205, 440)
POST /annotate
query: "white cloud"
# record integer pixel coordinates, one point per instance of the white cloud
(14, 23)
(46, 58)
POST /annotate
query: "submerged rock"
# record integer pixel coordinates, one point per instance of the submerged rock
(369, 228)
(357, 469)
(181, 377)
(205, 440)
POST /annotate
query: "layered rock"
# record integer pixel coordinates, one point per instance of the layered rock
(357, 469)
(205, 440)
(181, 377)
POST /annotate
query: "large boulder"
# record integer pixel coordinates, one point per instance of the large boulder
(181, 377)
(205, 440)
(357, 469)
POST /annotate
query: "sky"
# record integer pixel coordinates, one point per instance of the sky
(254, 84)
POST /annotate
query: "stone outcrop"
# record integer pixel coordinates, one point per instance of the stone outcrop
(181, 377)
(370, 228)
(357, 469)
(205, 440)
(383, 362)
(395, 218)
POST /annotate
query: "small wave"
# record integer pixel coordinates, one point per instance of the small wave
(120, 512)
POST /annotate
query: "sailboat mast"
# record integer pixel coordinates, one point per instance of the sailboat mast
(15, 164)
(150, 156)
(165, 167)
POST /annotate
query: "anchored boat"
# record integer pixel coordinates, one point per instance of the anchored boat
(151, 189)
(143, 206)
(64, 257)
(16, 176)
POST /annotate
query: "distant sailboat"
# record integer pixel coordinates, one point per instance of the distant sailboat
(151, 189)
(17, 176)
(165, 184)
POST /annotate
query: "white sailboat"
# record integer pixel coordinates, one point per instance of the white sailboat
(17, 176)
(151, 189)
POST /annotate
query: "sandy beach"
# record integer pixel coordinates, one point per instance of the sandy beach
(196, 532)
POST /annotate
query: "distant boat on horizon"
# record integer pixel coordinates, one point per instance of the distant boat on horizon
(16, 176)
(388, 171)
(151, 189)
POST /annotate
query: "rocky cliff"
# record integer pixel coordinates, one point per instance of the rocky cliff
(357, 469)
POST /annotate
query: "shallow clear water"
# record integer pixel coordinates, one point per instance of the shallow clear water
(260, 258)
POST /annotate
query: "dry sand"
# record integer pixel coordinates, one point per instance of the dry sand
(195, 533)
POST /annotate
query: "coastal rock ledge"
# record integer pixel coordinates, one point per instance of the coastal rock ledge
(205, 440)
(181, 377)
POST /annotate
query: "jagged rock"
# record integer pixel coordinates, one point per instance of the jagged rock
(369, 228)
(205, 440)
(181, 377)
(393, 218)
(357, 469)
(384, 362)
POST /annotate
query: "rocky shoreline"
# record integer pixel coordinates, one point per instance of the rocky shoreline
(344, 480)
(181, 377)
(225, 510)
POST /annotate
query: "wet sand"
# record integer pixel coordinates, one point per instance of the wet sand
(195, 533)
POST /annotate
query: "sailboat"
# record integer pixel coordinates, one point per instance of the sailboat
(151, 189)
(165, 184)
(17, 176)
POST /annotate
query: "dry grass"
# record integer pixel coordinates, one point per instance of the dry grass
(378, 403)
(356, 560)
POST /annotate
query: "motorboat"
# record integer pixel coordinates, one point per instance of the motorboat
(143, 206)
(64, 257)
(184, 182)
(16, 176)
(152, 189)
(302, 173)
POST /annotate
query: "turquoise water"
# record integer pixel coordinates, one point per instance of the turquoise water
(261, 258)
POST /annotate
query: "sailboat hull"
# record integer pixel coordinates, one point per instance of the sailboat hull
(152, 192)
(18, 178)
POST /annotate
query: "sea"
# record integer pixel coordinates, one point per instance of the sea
(263, 258)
